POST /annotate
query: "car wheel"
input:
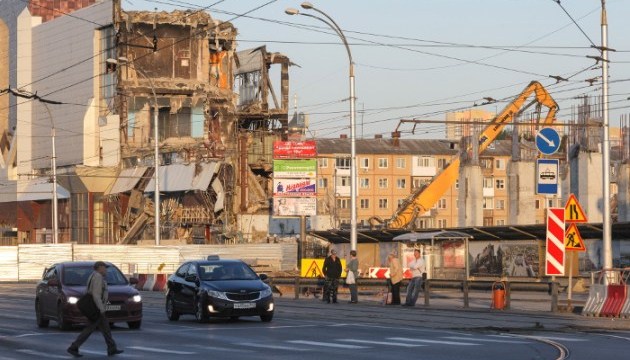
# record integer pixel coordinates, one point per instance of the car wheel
(266, 318)
(134, 324)
(61, 321)
(171, 313)
(200, 312)
(41, 322)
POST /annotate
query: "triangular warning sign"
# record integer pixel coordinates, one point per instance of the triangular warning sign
(573, 240)
(314, 270)
(573, 212)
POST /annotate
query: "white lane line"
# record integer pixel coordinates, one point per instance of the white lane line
(324, 344)
(432, 341)
(269, 346)
(485, 340)
(42, 355)
(557, 338)
(149, 349)
(358, 341)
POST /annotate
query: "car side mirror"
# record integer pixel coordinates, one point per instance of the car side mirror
(133, 281)
(53, 282)
(191, 278)
(264, 277)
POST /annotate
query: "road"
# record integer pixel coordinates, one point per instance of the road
(310, 329)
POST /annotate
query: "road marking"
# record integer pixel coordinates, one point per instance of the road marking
(42, 355)
(432, 341)
(161, 350)
(269, 346)
(324, 344)
(558, 338)
(380, 343)
(485, 340)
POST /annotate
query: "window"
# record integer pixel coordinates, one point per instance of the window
(457, 184)
(174, 125)
(344, 181)
(364, 183)
(98, 227)
(549, 203)
(500, 204)
(400, 202)
(441, 163)
(442, 203)
(342, 163)
(382, 183)
(322, 183)
(382, 203)
(487, 183)
(424, 161)
(80, 218)
(401, 183)
(108, 79)
(500, 222)
(500, 183)
(382, 163)
(485, 163)
(365, 163)
(537, 204)
(343, 203)
(181, 272)
(323, 162)
(442, 223)
(488, 203)
(499, 164)
(364, 203)
(401, 163)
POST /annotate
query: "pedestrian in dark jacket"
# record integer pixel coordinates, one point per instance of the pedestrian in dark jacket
(332, 271)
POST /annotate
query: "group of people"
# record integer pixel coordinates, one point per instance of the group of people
(332, 272)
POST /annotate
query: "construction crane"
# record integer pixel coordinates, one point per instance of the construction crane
(424, 198)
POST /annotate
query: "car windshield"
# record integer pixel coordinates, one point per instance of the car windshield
(226, 271)
(79, 275)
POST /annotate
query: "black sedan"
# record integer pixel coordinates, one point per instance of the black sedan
(64, 283)
(218, 288)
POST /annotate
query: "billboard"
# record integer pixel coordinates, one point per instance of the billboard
(288, 206)
(294, 149)
(294, 187)
(295, 168)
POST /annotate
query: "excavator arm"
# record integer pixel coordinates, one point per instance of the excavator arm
(425, 197)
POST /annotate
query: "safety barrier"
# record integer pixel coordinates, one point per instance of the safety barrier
(608, 295)
(151, 282)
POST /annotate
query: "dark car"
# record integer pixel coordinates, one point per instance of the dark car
(218, 288)
(63, 284)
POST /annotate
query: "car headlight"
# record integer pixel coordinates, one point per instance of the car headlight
(217, 294)
(136, 298)
(72, 300)
(265, 292)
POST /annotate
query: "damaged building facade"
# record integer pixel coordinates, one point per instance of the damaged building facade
(218, 113)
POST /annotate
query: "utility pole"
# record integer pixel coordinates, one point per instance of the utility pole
(606, 238)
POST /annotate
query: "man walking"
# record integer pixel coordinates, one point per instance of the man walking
(418, 271)
(97, 287)
(332, 271)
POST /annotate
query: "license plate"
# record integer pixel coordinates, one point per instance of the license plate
(244, 305)
(112, 307)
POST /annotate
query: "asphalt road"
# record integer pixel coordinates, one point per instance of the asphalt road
(310, 329)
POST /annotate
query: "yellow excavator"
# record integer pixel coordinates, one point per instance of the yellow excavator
(425, 197)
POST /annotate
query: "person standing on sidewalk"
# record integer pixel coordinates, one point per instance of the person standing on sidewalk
(395, 277)
(332, 271)
(97, 287)
(353, 267)
(418, 272)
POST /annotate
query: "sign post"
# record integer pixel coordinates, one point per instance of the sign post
(573, 241)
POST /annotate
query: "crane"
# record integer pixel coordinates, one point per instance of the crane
(424, 198)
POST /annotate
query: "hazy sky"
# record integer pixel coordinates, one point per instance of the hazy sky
(422, 58)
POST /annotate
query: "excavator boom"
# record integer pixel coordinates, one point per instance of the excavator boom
(426, 197)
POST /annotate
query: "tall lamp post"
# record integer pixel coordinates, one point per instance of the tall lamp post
(156, 176)
(353, 153)
(53, 165)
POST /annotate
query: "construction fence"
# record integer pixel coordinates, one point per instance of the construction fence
(27, 261)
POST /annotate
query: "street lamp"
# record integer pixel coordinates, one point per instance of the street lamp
(353, 153)
(53, 165)
(156, 154)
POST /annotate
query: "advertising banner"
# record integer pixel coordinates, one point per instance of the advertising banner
(294, 168)
(287, 206)
(294, 187)
(294, 149)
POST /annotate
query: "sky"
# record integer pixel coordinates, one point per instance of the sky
(418, 59)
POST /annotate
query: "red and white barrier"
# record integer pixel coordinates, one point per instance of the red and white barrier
(151, 282)
(615, 299)
(625, 309)
(596, 297)
(383, 273)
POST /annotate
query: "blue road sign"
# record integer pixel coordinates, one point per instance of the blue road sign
(547, 140)
(547, 176)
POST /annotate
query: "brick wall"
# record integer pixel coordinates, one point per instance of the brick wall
(50, 9)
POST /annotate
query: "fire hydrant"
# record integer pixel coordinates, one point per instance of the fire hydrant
(498, 295)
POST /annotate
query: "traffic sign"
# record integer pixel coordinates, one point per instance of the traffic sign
(554, 264)
(573, 240)
(573, 212)
(547, 176)
(547, 140)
